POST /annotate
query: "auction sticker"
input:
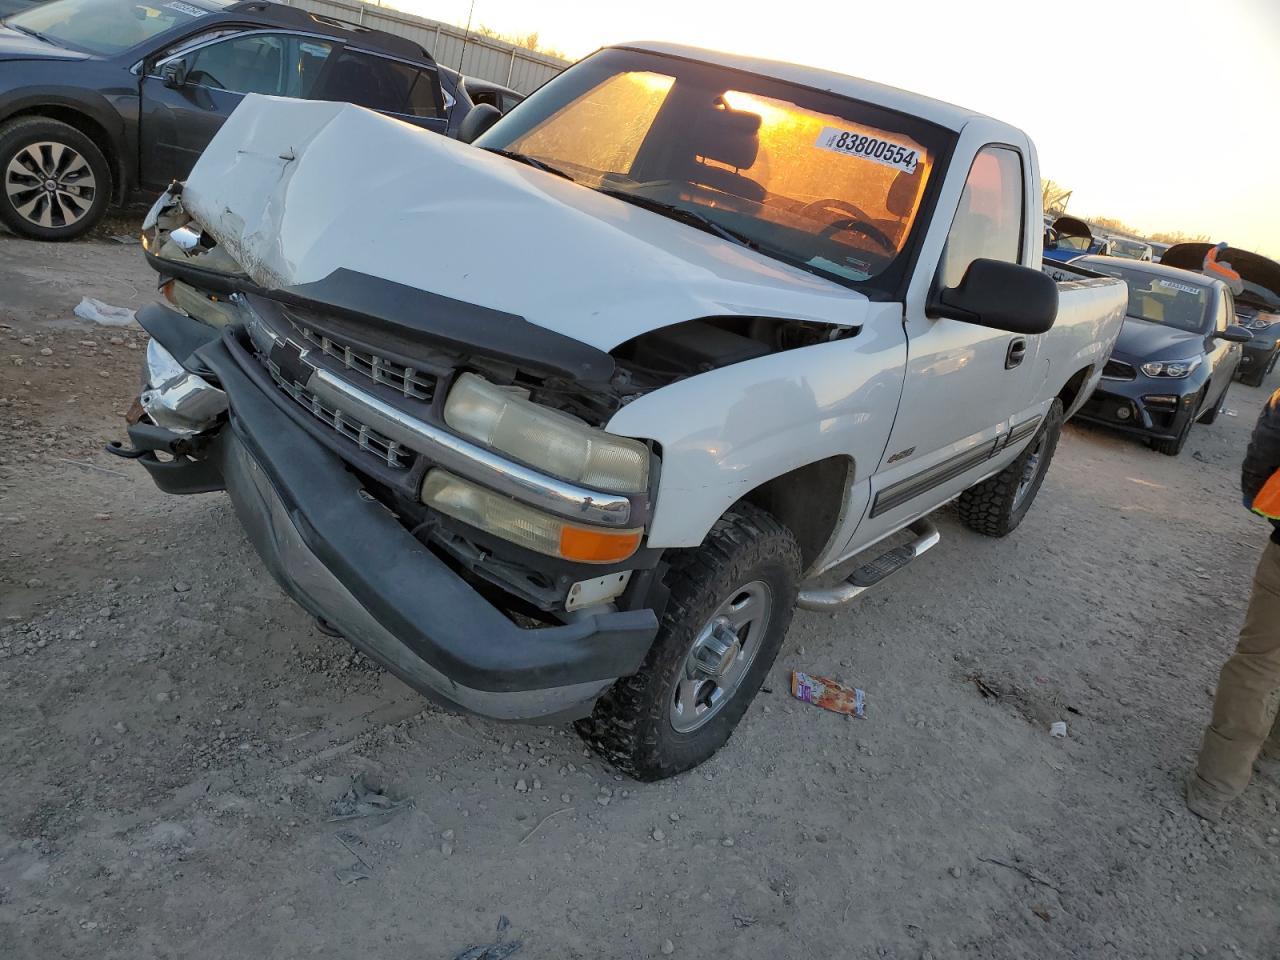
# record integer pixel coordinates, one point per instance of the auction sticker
(189, 9)
(875, 149)
(1184, 287)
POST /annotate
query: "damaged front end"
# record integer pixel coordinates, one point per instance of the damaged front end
(441, 492)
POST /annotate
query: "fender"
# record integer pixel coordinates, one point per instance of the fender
(118, 119)
(725, 432)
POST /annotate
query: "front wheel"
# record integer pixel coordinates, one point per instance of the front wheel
(1216, 409)
(1172, 446)
(997, 505)
(55, 183)
(731, 603)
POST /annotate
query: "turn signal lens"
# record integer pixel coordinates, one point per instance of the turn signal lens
(523, 525)
(597, 546)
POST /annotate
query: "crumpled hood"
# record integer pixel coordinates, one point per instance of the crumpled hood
(296, 190)
(1142, 340)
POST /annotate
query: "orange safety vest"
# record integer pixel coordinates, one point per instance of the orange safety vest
(1267, 502)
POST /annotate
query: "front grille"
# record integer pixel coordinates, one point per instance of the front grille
(1118, 370)
(415, 384)
(389, 451)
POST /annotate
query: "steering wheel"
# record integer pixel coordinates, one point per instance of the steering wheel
(859, 222)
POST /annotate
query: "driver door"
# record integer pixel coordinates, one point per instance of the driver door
(177, 123)
(966, 385)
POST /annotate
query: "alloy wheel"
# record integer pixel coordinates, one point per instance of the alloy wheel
(721, 656)
(50, 184)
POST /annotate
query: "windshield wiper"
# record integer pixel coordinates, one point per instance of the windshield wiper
(529, 161)
(29, 32)
(683, 214)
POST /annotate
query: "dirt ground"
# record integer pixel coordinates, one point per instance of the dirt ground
(176, 736)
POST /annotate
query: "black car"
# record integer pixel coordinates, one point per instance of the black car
(1177, 351)
(1257, 305)
(494, 94)
(102, 98)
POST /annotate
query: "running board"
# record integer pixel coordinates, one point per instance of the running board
(872, 572)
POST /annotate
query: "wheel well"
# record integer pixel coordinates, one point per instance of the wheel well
(92, 129)
(809, 500)
(1071, 392)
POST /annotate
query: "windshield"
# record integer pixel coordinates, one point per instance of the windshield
(820, 181)
(1066, 241)
(1175, 303)
(1131, 249)
(106, 27)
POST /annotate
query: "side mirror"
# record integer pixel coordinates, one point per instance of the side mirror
(1235, 334)
(478, 119)
(1000, 295)
(174, 74)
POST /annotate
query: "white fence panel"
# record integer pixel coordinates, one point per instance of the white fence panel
(492, 60)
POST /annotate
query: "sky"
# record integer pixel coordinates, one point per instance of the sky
(1165, 115)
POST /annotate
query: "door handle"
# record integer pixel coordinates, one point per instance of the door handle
(1017, 352)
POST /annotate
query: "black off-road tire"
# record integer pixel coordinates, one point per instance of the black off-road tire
(993, 507)
(1212, 414)
(15, 137)
(631, 725)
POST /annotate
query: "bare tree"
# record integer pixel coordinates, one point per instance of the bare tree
(1054, 197)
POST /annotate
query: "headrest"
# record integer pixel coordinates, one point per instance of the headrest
(728, 136)
(902, 194)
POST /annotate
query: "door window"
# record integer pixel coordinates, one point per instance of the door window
(271, 63)
(988, 222)
(381, 84)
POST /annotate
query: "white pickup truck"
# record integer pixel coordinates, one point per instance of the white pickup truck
(565, 423)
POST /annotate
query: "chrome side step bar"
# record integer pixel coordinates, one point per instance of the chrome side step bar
(873, 571)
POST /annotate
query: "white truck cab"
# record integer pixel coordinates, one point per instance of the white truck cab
(565, 423)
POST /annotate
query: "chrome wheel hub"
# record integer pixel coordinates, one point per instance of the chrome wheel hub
(50, 184)
(721, 656)
(1030, 470)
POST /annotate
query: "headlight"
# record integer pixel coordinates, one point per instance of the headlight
(544, 438)
(522, 525)
(1171, 368)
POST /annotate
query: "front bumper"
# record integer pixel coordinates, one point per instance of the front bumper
(344, 557)
(1145, 407)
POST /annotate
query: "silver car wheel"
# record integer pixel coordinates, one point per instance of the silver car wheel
(50, 184)
(721, 656)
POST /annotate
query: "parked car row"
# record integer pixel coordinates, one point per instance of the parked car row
(102, 99)
(1186, 335)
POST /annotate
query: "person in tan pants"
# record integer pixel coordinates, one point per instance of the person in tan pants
(1244, 710)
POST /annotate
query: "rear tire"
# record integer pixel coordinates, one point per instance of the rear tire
(997, 505)
(55, 183)
(663, 720)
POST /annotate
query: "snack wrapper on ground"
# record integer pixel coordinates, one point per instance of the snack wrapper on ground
(828, 694)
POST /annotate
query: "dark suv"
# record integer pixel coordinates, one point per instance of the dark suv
(102, 98)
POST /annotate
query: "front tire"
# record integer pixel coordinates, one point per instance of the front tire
(1171, 447)
(1216, 409)
(731, 602)
(55, 183)
(998, 504)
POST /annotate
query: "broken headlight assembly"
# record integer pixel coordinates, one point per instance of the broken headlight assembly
(523, 525)
(550, 440)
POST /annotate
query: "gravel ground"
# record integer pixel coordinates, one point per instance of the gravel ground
(176, 737)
